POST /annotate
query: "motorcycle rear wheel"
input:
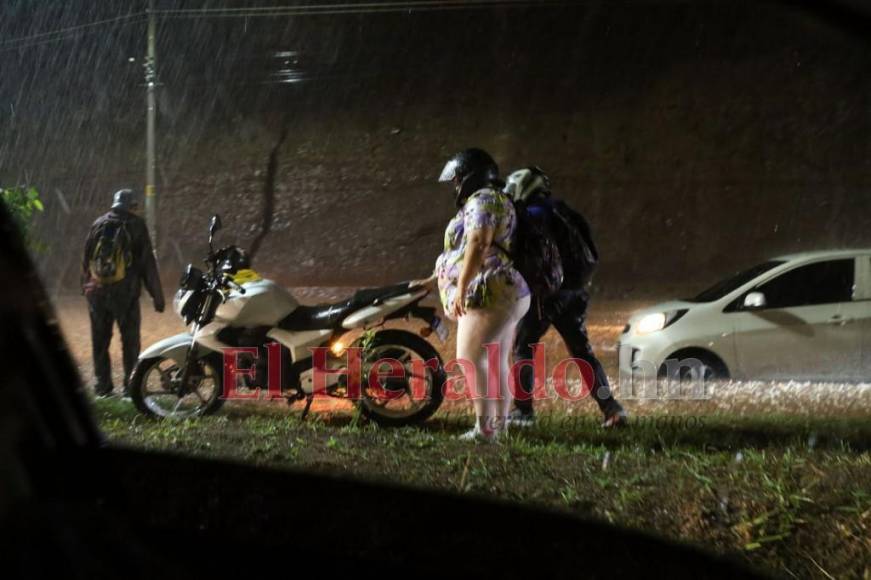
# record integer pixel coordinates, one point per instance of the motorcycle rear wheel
(396, 405)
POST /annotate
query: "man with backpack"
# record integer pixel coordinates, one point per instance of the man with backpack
(558, 278)
(118, 260)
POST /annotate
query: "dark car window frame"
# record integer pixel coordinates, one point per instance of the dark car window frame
(738, 303)
(726, 286)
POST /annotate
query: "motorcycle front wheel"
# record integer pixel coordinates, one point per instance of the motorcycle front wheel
(156, 390)
(398, 401)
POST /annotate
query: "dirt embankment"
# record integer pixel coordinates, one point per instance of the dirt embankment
(738, 134)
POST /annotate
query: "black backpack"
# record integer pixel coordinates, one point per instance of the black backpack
(536, 254)
(110, 257)
(577, 249)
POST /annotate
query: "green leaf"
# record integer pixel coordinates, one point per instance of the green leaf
(22, 202)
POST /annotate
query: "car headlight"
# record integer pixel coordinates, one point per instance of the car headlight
(658, 321)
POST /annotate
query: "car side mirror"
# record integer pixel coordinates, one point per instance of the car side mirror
(754, 300)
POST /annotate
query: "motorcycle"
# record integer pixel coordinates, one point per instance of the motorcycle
(183, 375)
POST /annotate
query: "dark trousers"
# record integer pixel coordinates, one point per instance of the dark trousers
(105, 311)
(567, 311)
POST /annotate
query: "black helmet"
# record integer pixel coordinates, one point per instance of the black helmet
(232, 259)
(472, 169)
(125, 199)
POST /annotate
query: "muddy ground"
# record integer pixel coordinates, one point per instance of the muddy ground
(770, 474)
(606, 320)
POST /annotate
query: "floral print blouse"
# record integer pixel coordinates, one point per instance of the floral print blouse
(498, 284)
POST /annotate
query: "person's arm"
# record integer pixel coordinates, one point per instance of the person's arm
(85, 274)
(479, 227)
(428, 283)
(150, 273)
(478, 241)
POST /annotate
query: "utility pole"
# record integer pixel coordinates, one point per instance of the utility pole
(150, 162)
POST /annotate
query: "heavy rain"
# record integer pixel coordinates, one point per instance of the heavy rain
(714, 145)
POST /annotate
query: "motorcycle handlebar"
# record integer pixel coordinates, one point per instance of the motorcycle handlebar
(230, 283)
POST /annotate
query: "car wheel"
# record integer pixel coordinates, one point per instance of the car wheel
(692, 366)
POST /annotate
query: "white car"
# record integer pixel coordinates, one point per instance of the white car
(802, 316)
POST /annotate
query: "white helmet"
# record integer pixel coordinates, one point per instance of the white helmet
(524, 183)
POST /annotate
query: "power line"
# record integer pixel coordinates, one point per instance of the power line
(273, 11)
(337, 6)
(65, 33)
(71, 28)
(367, 8)
(378, 6)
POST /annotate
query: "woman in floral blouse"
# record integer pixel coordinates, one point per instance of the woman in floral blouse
(478, 285)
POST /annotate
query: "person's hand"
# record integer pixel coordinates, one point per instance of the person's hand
(89, 287)
(159, 305)
(458, 308)
(428, 283)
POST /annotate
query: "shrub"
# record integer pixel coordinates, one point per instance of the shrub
(23, 203)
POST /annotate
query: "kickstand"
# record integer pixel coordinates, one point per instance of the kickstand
(308, 405)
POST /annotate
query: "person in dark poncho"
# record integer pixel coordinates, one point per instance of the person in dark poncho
(118, 260)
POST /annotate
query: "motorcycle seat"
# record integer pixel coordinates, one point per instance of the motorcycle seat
(317, 317)
(331, 315)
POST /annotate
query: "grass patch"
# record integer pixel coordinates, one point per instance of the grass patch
(789, 494)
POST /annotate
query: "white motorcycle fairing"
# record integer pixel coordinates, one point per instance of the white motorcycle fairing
(299, 342)
(263, 304)
(172, 347)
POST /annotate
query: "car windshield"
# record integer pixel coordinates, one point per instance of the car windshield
(724, 287)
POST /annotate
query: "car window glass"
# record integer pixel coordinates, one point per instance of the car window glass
(819, 283)
(724, 287)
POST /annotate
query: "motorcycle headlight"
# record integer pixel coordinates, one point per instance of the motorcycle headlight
(178, 302)
(191, 279)
(658, 320)
(186, 304)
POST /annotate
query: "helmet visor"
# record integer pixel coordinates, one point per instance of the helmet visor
(450, 171)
